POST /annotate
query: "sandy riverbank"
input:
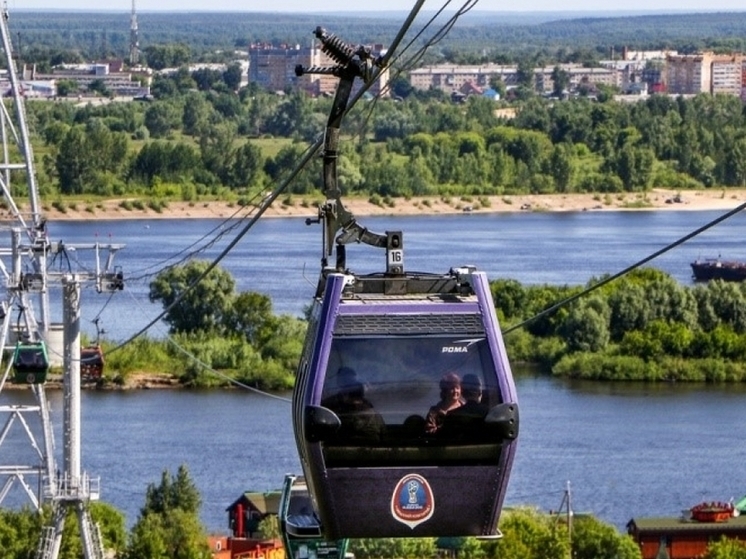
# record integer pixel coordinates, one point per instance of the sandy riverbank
(658, 199)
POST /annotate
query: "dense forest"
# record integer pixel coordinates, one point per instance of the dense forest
(487, 35)
(198, 138)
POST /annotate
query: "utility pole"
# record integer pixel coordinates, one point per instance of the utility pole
(74, 489)
(566, 505)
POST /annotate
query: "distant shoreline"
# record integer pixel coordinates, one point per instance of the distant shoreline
(657, 199)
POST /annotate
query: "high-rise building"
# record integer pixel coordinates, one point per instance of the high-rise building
(704, 73)
(273, 67)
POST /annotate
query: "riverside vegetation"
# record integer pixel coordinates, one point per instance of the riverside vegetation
(645, 326)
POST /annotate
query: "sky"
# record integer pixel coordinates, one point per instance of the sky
(347, 6)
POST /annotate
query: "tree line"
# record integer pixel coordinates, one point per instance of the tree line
(41, 37)
(645, 326)
(201, 138)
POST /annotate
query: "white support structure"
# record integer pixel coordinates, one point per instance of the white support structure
(23, 269)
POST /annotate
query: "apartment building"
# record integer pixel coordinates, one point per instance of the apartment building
(451, 77)
(273, 67)
(705, 73)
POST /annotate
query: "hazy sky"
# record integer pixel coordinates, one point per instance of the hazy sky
(376, 5)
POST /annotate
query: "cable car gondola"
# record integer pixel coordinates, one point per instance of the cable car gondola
(379, 351)
(92, 358)
(30, 363)
(299, 525)
(386, 357)
(91, 363)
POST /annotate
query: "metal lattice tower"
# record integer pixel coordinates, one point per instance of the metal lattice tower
(23, 267)
(134, 38)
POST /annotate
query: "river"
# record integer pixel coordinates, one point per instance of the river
(281, 256)
(628, 450)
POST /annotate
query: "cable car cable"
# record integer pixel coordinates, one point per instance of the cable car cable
(222, 231)
(266, 202)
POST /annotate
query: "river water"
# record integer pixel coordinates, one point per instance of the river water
(281, 256)
(627, 450)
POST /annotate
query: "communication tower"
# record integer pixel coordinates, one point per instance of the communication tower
(134, 39)
(28, 344)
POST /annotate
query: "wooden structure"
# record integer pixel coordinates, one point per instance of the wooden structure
(687, 536)
(246, 512)
(225, 547)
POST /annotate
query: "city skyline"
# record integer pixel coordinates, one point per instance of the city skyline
(303, 6)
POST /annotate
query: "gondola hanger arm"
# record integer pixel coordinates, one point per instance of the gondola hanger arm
(352, 62)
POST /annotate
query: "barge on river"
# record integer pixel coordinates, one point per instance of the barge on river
(727, 270)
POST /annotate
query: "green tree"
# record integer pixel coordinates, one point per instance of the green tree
(74, 165)
(560, 80)
(168, 526)
(176, 535)
(530, 535)
(160, 57)
(560, 166)
(401, 548)
(196, 114)
(172, 493)
(99, 86)
(215, 146)
(232, 76)
(246, 166)
(161, 117)
(193, 305)
(726, 548)
(593, 539)
(19, 532)
(586, 326)
(66, 87)
(250, 314)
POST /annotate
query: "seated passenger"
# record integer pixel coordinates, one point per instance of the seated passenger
(450, 399)
(464, 422)
(359, 419)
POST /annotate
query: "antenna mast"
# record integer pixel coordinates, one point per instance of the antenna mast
(134, 40)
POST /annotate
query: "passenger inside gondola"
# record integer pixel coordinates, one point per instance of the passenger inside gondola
(30, 358)
(383, 389)
(450, 400)
(465, 421)
(358, 418)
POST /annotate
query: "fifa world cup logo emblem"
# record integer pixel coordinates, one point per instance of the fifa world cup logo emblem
(412, 488)
(412, 501)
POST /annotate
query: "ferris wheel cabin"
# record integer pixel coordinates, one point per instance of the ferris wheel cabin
(376, 355)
